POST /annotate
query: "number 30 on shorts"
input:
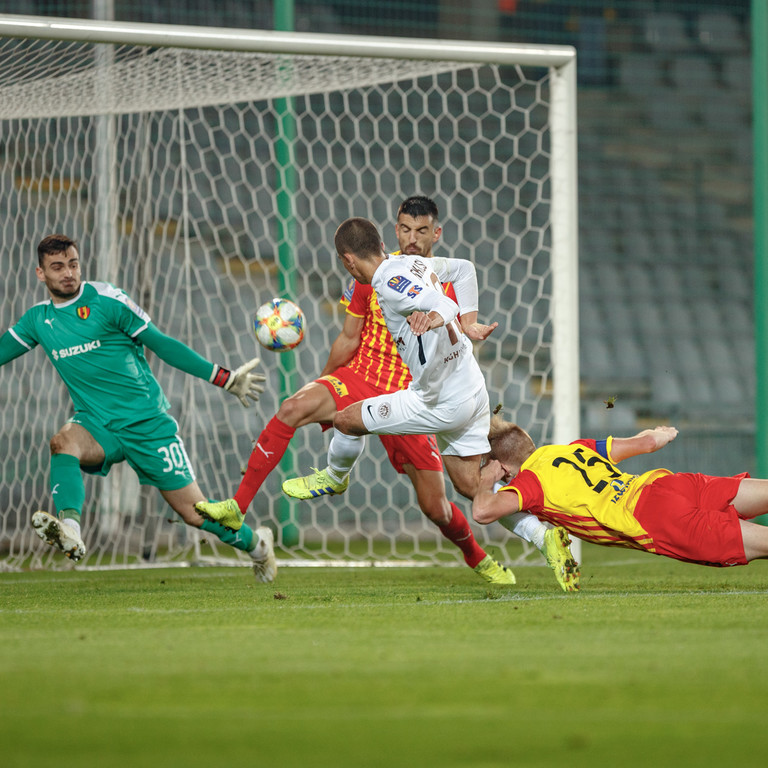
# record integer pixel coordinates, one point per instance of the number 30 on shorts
(174, 457)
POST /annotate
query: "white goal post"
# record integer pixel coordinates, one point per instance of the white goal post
(204, 171)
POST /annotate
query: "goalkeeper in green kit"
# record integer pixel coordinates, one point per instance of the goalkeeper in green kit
(94, 335)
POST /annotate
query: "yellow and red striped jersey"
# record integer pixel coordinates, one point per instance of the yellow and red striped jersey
(578, 487)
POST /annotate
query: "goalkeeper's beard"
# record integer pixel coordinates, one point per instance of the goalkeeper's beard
(59, 293)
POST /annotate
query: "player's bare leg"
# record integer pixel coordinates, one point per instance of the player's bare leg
(752, 497)
(182, 501)
(75, 440)
(755, 539)
(350, 420)
(464, 472)
(312, 404)
(430, 493)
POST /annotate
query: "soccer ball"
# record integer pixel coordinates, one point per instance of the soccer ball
(279, 325)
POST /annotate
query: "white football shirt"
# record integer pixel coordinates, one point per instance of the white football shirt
(441, 361)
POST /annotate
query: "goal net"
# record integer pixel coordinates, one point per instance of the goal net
(204, 180)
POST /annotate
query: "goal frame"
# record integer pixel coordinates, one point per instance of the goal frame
(559, 59)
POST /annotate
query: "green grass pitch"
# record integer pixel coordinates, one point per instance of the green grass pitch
(654, 663)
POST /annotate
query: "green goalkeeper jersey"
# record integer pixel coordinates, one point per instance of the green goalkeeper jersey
(92, 342)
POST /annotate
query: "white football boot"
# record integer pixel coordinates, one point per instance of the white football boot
(58, 534)
(263, 556)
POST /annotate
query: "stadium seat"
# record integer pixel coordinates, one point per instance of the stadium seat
(743, 148)
(619, 420)
(697, 389)
(670, 112)
(734, 283)
(698, 285)
(609, 281)
(720, 32)
(744, 351)
(740, 317)
(721, 357)
(666, 389)
(737, 74)
(666, 31)
(692, 72)
(619, 319)
(591, 318)
(649, 322)
(630, 212)
(668, 280)
(640, 73)
(637, 244)
(640, 282)
(688, 354)
(728, 389)
(596, 360)
(631, 361)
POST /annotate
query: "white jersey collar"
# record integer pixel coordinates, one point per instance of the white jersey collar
(72, 300)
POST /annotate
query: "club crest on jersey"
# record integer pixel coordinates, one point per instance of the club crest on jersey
(398, 283)
(83, 312)
(384, 410)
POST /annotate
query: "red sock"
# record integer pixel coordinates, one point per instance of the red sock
(459, 532)
(269, 449)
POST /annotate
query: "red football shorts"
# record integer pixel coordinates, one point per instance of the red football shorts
(348, 387)
(690, 517)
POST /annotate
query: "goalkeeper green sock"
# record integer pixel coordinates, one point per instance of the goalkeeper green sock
(67, 486)
(241, 539)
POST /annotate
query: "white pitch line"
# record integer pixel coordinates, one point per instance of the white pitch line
(514, 598)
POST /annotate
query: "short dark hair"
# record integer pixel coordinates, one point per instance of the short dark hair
(358, 236)
(418, 205)
(54, 244)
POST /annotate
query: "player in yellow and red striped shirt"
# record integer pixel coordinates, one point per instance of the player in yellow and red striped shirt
(685, 516)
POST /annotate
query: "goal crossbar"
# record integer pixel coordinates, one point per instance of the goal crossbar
(269, 41)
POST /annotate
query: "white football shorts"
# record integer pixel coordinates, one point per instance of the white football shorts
(461, 428)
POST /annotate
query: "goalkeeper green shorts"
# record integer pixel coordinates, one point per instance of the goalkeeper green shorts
(152, 448)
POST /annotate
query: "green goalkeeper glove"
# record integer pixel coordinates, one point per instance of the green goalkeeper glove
(241, 382)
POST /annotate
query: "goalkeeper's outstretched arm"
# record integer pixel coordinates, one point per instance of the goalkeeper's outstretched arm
(10, 348)
(241, 382)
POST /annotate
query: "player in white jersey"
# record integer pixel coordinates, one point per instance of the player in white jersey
(447, 394)
(443, 367)
(94, 336)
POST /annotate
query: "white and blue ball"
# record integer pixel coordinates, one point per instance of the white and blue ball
(279, 325)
